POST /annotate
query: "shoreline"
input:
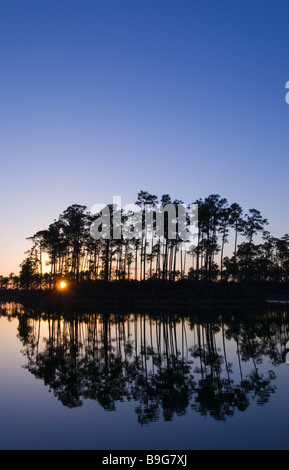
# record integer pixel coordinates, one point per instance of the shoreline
(146, 296)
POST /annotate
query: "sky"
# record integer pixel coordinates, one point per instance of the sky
(109, 97)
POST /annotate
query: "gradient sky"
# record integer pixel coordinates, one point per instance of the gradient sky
(108, 97)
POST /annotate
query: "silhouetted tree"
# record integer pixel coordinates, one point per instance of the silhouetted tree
(68, 248)
(27, 273)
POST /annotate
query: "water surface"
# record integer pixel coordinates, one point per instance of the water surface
(197, 380)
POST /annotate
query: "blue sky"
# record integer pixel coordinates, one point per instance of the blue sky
(109, 97)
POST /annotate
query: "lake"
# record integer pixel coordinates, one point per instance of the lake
(203, 379)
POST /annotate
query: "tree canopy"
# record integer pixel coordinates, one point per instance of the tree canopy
(230, 245)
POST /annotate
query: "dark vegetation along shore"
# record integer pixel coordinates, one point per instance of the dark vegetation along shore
(149, 294)
(234, 259)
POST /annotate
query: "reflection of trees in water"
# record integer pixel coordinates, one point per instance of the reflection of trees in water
(164, 363)
(217, 394)
(109, 359)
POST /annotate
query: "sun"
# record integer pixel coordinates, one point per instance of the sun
(62, 285)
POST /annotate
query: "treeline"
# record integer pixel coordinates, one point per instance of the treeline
(166, 364)
(67, 249)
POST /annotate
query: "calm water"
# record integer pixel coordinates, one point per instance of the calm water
(143, 381)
